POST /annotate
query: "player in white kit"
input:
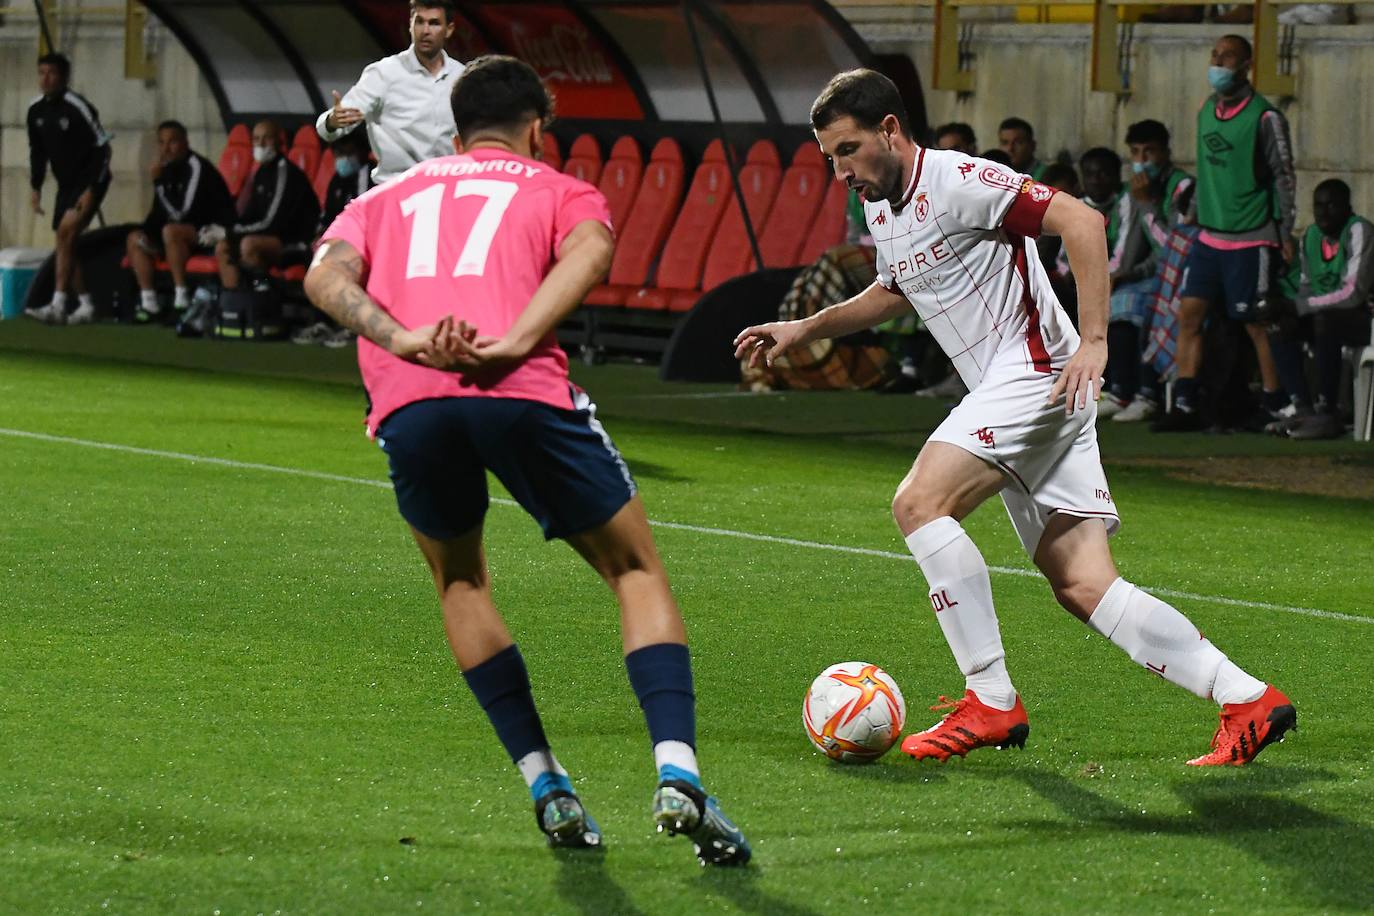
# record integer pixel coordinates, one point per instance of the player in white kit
(955, 238)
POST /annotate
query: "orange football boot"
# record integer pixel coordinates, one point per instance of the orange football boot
(972, 724)
(1248, 728)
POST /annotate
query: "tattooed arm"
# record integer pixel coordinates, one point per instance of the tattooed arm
(334, 285)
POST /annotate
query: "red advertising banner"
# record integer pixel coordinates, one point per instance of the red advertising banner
(584, 78)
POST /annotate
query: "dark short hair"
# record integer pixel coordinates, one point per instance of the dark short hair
(864, 95)
(1108, 158)
(60, 61)
(1060, 172)
(995, 155)
(172, 125)
(965, 132)
(1148, 131)
(1334, 186)
(1017, 124)
(445, 5)
(1243, 42)
(498, 91)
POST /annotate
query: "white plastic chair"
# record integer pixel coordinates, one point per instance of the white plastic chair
(1364, 393)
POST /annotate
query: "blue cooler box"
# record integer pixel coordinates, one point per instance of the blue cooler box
(18, 267)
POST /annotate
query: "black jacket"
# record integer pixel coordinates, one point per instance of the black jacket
(65, 133)
(341, 191)
(190, 191)
(281, 202)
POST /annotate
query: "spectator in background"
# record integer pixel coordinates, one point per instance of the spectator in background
(1062, 177)
(1245, 205)
(352, 178)
(279, 214)
(1017, 139)
(1162, 193)
(188, 194)
(404, 98)
(1333, 301)
(956, 135)
(65, 133)
(996, 155)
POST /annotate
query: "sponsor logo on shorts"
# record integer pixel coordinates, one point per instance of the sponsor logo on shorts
(984, 436)
(1103, 495)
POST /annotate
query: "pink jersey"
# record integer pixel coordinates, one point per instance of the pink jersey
(470, 236)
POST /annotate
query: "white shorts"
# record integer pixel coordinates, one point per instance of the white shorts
(1051, 461)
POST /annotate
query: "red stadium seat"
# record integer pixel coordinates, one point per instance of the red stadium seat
(803, 186)
(584, 160)
(731, 254)
(236, 162)
(684, 256)
(829, 228)
(620, 179)
(323, 175)
(646, 226)
(305, 150)
(552, 153)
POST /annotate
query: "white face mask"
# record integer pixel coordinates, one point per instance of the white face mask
(263, 154)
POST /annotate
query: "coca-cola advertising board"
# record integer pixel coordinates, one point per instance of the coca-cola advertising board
(567, 55)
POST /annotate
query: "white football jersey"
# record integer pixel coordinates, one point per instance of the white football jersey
(976, 283)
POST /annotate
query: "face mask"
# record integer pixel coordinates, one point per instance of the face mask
(1220, 78)
(346, 166)
(263, 154)
(1149, 168)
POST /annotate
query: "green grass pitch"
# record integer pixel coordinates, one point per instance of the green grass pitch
(225, 688)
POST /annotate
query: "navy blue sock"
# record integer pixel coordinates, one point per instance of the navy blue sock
(661, 676)
(502, 687)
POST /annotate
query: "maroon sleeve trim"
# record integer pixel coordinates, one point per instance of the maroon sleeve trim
(1027, 211)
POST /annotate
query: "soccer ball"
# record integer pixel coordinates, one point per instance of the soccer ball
(853, 712)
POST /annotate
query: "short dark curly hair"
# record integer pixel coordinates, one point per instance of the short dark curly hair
(501, 92)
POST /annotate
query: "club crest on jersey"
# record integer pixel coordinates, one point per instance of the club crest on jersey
(922, 207)
(995, 178)
(1037, 191)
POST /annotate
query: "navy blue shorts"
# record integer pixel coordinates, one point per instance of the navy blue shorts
(1237, 278)
(558, 464)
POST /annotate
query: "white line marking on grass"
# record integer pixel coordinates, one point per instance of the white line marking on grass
(675, 526)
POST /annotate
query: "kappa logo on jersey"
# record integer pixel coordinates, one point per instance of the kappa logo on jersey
(922, 207)
(995, 178)
(966, 167)
(881, 219)
(984, 436)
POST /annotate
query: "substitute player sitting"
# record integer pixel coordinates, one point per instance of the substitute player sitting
(954, 237)
(467, 263)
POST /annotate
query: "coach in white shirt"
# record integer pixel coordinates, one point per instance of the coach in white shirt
(403, 98)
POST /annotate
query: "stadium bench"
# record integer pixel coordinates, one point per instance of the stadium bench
(829, 228)
(804, 184)
(646, 227)
(620, 180)
(584, 160)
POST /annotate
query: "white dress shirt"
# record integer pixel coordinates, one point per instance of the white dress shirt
(406, 109)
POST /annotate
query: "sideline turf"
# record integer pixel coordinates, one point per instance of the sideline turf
(228, 690)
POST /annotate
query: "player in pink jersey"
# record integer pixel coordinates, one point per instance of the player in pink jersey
(455, 275)
(955, 237)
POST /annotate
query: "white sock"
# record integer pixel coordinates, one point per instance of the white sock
(678, 754)
(59, 299)
(1157, 636)
(181, 298)
(147, 299)
(537, 763)
(84, 300)
(961, 594)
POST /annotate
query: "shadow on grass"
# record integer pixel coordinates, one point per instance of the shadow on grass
(1325, 858)
(584, 884)
(741, 887)
(650, 471)
(904, 771)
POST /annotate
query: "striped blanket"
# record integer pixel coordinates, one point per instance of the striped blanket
(1162, 324)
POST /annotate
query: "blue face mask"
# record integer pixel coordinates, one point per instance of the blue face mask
(1220, 78)
(346, 166)
(1149, 168)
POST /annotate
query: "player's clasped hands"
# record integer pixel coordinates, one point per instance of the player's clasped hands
(454, 346)
(768, 340)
